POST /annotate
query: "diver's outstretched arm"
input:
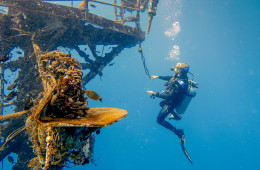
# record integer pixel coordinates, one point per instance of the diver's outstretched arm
(167, 78)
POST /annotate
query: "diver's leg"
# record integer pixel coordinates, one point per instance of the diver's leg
(164, 112)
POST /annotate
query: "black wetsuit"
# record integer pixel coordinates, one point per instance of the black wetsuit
(172, 96)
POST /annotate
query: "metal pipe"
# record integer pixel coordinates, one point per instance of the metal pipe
(115, 10)
(86, 8)
(137, 21)
(106, 3)
(151, 12)
(7, 117)
(149, 24)
(1, 79)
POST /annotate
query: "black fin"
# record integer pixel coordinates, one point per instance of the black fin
(184, 150)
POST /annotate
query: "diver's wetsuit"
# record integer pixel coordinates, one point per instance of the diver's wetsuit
(172, 96)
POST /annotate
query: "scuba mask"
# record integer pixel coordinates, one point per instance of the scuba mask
(181, 68)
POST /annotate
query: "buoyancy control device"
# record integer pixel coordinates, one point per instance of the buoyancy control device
(190, 93)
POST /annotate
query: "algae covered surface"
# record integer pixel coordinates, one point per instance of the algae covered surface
(218, 39)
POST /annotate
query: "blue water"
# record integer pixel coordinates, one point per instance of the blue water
(220, 40)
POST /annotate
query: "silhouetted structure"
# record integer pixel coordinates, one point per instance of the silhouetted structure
(36, 25)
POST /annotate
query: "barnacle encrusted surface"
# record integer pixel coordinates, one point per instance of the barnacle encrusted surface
(56, 146)
(61, 125)
(62, 98)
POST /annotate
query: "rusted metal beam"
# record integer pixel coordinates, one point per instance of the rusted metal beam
(98, 65)
(12, 116)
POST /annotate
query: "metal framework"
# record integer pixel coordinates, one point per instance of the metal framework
(30, 23)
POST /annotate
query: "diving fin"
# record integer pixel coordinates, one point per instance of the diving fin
(171, 117)
(175, 116)
(183, 148)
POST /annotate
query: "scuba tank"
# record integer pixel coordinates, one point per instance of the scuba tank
(190, 93)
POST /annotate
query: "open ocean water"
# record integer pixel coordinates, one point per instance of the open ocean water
(220, 40)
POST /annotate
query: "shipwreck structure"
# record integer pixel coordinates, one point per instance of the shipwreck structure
(52, 123)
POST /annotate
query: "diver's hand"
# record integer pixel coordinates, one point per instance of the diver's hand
(154, 77)
(150, 93)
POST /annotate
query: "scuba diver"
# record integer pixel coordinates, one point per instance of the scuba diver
(175, 99)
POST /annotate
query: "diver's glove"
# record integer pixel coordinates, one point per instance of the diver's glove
(152, 94)
(153, 77)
